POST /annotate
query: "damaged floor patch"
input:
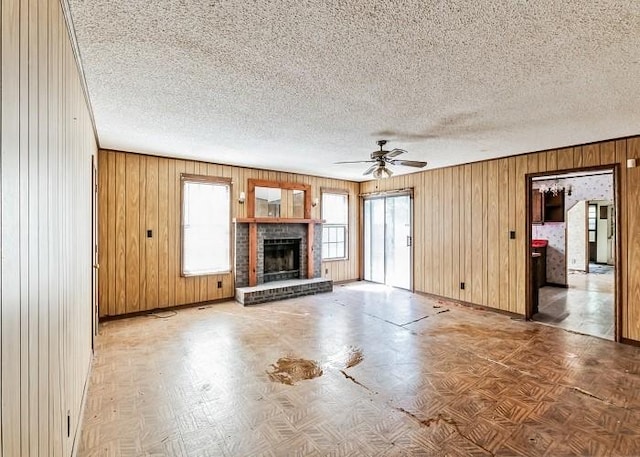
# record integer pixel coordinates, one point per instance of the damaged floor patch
(289, 370)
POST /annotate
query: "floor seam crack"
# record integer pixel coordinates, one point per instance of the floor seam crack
(355, 381)
(559, 384)
(441, 418)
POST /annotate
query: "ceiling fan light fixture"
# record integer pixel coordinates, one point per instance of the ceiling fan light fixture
(382, 172)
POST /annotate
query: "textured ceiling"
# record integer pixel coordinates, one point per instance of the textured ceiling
(298, 85)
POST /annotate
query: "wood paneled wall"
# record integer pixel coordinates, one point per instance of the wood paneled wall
(137, 193)
(45, 313)
(463, 216)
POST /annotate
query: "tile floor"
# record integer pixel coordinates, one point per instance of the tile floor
(435, 379)
(587, 306)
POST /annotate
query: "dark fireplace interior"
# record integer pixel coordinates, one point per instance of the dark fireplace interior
(281, 259)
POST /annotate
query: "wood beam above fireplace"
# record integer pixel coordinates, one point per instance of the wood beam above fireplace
(276, 220)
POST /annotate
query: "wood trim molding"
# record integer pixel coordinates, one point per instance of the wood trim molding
(253, 254)
(251, 194)
(275, 220)
(333, 190)
(310, 269)
(204, 178)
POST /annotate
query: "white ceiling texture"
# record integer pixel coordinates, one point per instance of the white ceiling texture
(297, 85)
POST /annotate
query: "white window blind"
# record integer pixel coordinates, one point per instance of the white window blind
(206, 227)
(335, 212)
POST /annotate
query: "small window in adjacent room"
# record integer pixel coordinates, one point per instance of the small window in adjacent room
(206, 225)
(335, 212)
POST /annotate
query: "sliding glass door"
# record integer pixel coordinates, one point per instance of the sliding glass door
(387, 240)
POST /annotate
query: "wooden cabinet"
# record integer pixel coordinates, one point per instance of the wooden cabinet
(537, 199)
(553, 207)
(546, 207)
(541, 269)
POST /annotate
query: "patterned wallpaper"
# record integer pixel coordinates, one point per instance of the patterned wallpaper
(597, 187)
(577, 241)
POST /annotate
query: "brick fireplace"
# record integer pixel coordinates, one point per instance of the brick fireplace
(288, 233)
(278, 253)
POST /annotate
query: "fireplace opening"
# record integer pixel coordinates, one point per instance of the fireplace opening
(281, 259)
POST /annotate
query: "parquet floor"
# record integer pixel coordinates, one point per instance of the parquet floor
(435, 379)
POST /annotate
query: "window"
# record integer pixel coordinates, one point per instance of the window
(206, 225)
(335, 212)
(593, 208)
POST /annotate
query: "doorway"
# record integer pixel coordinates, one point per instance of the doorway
(388, 240)
(94, 251)
(572, 246)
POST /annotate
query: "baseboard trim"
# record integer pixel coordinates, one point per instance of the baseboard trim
(630, 342)
(555, 284)
(471, 305)
(161, 310)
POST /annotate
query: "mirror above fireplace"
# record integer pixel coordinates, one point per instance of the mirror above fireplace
(281, 200)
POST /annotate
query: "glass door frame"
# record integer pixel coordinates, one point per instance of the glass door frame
(383, 195)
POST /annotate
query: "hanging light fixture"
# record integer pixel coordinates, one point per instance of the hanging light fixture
(382, 172)
(555, 188)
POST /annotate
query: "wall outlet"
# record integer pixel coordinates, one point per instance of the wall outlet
(461, 286)
(219, 284)
(149, 233)
(512, 234)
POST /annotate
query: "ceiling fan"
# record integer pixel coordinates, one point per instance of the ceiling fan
(381, 158)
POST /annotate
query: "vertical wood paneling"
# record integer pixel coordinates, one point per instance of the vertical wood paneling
(177, 224)
(142, 230)
(502, 235)
(608, 152)
(513, 291)
(455, 232)
(163, 233)
(622, 263)
(154, 272)
(463, 216)
(120, 235)
(633, 240)
(151, 244)
(484, 224)
(477, 270)
(427, 241)
(578, 157)
(468, 241)
(132, 231)
(436, 229)
(103, 191)
(552, 160)
(493, 246)
(520, 241)
(446, 192)
(565, 159)
(591, 154)
(46, 232)
(110, 222)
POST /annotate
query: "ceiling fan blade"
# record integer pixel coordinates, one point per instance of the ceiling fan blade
(395, 152)
(370, 169)
(409, 163)
(355, 161)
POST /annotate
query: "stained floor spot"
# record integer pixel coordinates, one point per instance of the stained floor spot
(289, 370)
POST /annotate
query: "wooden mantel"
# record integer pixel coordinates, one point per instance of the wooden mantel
(275, 220)
(254, 221)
